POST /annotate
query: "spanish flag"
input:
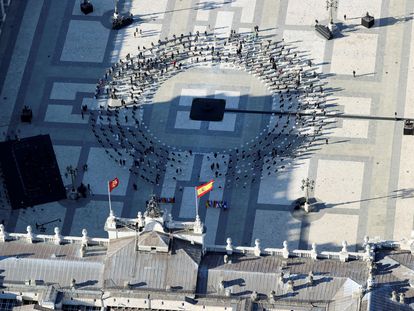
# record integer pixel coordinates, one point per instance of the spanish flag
(205, 188)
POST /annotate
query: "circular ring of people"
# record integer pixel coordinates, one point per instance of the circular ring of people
(295, 125)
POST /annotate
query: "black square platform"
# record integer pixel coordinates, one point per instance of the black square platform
(408, 127)
(86, 8)
(207, 109)
(367, 21)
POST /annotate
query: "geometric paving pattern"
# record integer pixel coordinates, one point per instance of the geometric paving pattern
(54, 56)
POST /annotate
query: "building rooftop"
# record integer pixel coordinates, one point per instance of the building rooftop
(152, 256)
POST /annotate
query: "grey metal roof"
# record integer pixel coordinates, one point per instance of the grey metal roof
(30, 308)
(183, 268)
(356, 270)
(177, 269)
(249, 273)
(86, 273)
(42, 250)
(380, 301)
(394, 269)
(49, 263)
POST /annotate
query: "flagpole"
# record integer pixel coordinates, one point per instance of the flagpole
(109, 198)
(196, 198)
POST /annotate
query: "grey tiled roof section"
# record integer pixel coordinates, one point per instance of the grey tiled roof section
(242, 283)
(40, 250)
(154, 239)
(356, 270)
(49, 263)
(52, 271)
(404, 258)
(380, 301)
(177, 269)
(30, 307)
(248, 273)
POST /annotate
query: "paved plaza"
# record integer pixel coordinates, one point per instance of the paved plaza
(52, 57)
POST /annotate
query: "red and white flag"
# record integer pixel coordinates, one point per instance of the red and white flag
(113, 184)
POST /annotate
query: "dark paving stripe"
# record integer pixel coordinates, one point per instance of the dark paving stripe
(338, 115)
(10, 29)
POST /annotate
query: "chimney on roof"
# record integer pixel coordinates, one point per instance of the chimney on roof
(402, 298)
(394, 296)
(82, 250)
(290, 285)
(272, 296)
(282, 278)
(254, 296)
(73, 284)
(127, 285)
(310, 278)
(221, 285)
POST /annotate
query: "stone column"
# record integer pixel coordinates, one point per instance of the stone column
(229, 246)
(140, 220)
(29, 234)
(314, 252)
(343, 254)
(3, 233)
(57, 238)
(85, 238)
(285, 251)
(198, 225)
(257, 250)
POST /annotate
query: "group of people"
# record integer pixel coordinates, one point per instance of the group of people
(297, 93)
(216, 204)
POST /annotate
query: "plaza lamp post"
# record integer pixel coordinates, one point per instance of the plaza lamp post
(73, 195)
(307, 185)
(116, 9)
(330, 6)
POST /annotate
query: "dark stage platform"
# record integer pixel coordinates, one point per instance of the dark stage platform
(31, 172)
(207, 109)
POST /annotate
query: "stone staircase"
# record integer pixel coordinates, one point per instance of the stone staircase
(324, 31)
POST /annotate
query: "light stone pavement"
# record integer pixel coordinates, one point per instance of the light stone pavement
(363, 176)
